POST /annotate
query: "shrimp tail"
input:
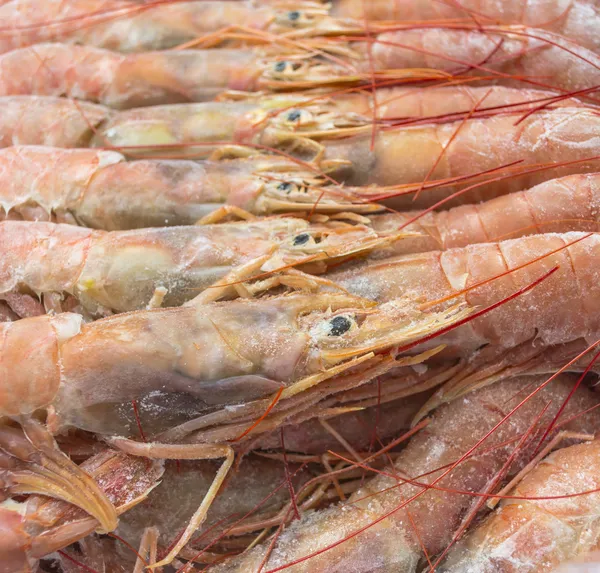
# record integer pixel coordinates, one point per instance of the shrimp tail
(47, 471)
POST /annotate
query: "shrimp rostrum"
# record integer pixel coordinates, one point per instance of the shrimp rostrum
(100, 189)
(97, 273)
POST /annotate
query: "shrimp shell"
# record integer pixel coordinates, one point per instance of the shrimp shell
(570, 203)
(463, 150)
(538, 534)
(577, 19)
(122, 81)
(99, 189)
(394, 544)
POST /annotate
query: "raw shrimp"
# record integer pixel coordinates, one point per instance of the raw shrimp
(515, 55)
(563, 310)
(122, 81)
(127, 26)
(38, 120)
(302, 122)
(449, 152)
(371, 531)
(39, 526)
(575, 19)
(170, 129)
(163, 367)
(539, 534)
(570, 203)
(100, 272)
(99, 189)
(179, 363)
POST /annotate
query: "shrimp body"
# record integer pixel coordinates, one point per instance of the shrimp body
(511, 55)
(565, 307)
(122, 25)
(538, 534)
(122, 81)
(570, 203)
(451, 151)
(119, 271)
(99, 189)
(577, 20)
(58, 122)
(175, 129)
(396, 542)
(180, 362)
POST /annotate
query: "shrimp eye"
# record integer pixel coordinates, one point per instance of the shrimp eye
(294, 115)
(280, 66)
(293, 15)
(301, 239)
(338, 325)
(284, 187)
(296, 66)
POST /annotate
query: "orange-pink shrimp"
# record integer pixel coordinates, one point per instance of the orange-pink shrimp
(563, 310)
(100, 189)
(98, 273)
(122, 81)
(455, 151)
(303, 121)
(38, 526)
(570, 203)
(543, 523)
(576, 19)
(378, 529)
(129, 26)
(38, 120)
(512, 55)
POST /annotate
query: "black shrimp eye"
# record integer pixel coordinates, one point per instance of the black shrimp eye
(294, 115)
(280, 66)
(293, 15)
(301, 239)
(284, 186)
(338, 325)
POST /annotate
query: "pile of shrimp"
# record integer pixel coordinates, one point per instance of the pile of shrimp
(299, 286)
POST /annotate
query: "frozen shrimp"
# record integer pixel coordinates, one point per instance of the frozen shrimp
(539, 529)
(175, 129)
(127, 26)
(38, 120)
(100, 189)
(569, 203)
(122, 81)
(161, 368)
(562, 311)
(512, 55)
(577, 20)
(303, 121)
(179, 363)
(97, 273)
(375, 529)
(435, 275)
(38, 526)
(462, 150)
